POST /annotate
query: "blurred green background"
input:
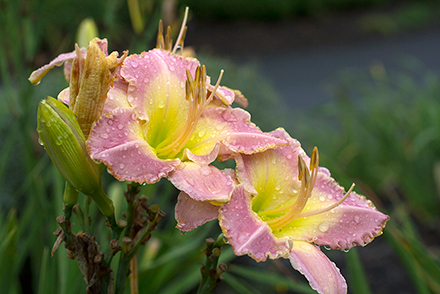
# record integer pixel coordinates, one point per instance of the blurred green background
(381, 130)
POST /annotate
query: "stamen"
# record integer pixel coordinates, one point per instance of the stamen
(182, 33)
(216, 86)
(168, 40)
(330, 207)
(294, 209)
(160, 42)
(196, 97)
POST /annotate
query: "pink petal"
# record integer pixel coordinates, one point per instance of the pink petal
(117, 97)
(205, 159)
(323, 275)
(354, 222)
(191, 213)
(155, 76)
(233, 129)
(246, 232)
(117, 140)
(38, 74)
(63, 96)
(202, 182)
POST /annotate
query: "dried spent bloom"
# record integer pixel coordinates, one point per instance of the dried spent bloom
(61, 136)
(90, 78)
(285, 204)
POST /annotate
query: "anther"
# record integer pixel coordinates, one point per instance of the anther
(168, 40)
(160, 42)
(314, 159)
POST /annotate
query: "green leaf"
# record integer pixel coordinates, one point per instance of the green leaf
(269, 278)
(358, 281)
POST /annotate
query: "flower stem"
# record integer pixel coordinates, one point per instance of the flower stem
(211, 273)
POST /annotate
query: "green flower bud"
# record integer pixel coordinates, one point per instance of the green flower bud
(61, 136)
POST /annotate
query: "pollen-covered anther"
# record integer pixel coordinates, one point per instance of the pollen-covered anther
(196, 95)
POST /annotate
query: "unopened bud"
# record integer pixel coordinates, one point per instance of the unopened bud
(64, 141)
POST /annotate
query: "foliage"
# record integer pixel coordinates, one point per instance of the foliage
(382, 133)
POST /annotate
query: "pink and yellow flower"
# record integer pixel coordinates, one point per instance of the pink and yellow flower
(173, 124)
(284, 205)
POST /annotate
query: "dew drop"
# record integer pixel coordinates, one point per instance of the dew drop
(121, 166)
(104, 136)
(201, 133)
(321, 198)
(289, 156)
(323, 227)
(134, 64)
(327, 247)
(357, 219)
(40, 142)
(206, 171)
(59, 140)
(161, 104)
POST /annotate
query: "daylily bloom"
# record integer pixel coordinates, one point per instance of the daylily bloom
(175, 126)
(282, 206)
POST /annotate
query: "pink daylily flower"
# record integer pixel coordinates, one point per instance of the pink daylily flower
(285, 206)
(174, 126)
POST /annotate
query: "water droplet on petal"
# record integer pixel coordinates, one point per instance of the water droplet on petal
(201, 133)
(121, 166)
(59, 140)
(323, 227)
(357, 219)
(289, 156)
(327, 247)
(161, 104)
(104, 136)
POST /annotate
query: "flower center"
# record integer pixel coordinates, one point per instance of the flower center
(293, 208)
(198, 99)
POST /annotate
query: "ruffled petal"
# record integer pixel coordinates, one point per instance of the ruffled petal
(354, 222)
(246, 232)
(202, 182)
(322, 274)
(117, 140)
(191, 213)
(233, 129)
(157, 90)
